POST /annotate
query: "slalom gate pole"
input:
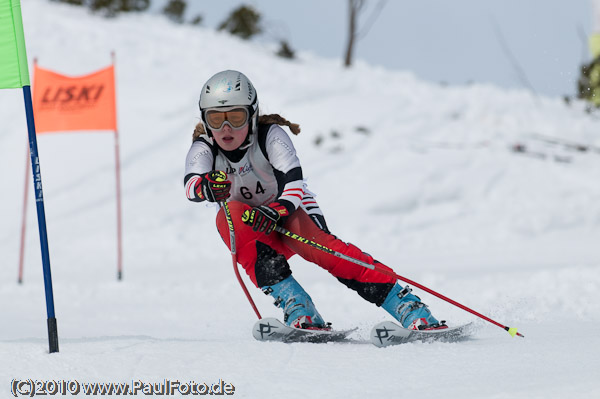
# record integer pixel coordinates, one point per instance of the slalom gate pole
(119, 212)
(24, 220)
(41, 214)
(118, 192)
(512, 331)
(234, 257)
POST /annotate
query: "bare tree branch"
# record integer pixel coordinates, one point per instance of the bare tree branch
(513, 60)
(371, 21)
(354, 8)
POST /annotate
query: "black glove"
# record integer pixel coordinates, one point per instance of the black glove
(213, 186)
(264, 218)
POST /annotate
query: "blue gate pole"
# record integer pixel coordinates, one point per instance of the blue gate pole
(41, 214)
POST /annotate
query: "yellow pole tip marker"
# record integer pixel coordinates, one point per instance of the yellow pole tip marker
(513, 331)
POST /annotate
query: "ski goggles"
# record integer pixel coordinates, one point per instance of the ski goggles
(236, 117)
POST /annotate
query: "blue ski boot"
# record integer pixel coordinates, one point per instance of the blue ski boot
(298, 308)
(409, 310)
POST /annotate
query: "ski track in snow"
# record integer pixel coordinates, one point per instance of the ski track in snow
(511, 235)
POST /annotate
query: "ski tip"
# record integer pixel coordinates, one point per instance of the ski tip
(513, 332)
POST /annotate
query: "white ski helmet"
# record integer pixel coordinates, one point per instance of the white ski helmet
(227, 89)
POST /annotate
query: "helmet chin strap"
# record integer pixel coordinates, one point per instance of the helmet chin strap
(249, 140)
(253, 125)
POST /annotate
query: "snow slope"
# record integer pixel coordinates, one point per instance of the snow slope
(512, 235)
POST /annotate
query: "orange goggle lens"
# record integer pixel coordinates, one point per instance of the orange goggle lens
(236, 117)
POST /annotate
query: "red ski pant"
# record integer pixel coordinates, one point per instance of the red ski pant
(299, 222)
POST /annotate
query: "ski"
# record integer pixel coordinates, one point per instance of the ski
(271, 329)
(389, 333)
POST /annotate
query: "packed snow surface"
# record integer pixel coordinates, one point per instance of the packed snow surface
(423, 177)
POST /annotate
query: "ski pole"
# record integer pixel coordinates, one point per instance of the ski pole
(512, 331)
(234, 257)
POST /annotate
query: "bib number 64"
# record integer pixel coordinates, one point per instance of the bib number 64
(247, 193)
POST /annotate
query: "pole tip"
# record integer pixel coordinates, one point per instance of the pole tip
(513, 331)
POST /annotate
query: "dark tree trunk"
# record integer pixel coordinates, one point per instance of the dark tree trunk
(353, 6)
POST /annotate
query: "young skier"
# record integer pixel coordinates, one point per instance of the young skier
(249, 161)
